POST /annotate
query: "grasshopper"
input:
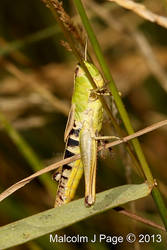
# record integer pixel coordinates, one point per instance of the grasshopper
(83, 126)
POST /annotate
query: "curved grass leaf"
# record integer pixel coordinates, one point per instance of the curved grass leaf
(57, 218)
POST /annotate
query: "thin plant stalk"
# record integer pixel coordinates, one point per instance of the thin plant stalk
(35, 37)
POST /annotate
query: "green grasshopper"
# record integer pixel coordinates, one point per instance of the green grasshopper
(83, 126)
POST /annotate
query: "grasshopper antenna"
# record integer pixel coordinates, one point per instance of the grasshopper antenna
(86, 50)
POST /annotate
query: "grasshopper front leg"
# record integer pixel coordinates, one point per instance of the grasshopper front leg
(107, 137)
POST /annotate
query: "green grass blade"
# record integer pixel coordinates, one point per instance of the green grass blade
(35, 37)
(53, 219)
(27, 152)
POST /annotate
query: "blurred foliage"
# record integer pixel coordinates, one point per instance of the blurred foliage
(44, 61)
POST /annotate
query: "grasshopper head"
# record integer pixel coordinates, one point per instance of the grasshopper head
(95, 74)
(79, 72)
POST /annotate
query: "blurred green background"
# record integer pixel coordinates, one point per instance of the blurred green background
(36, 83)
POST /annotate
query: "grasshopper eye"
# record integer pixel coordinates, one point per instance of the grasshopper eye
(93, 96)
